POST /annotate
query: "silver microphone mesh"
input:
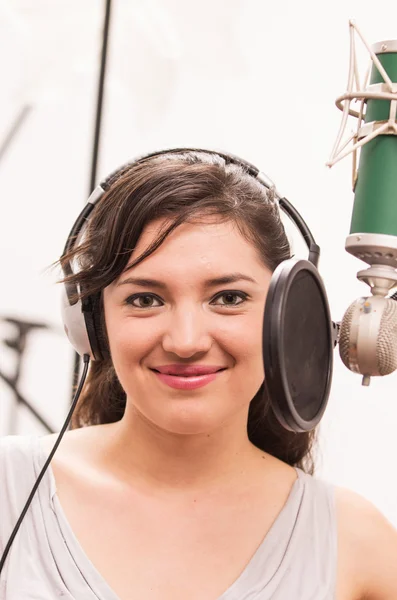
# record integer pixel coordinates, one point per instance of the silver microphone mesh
(386, 347)
(368, 336)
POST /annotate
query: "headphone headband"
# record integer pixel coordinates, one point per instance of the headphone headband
(108, 181)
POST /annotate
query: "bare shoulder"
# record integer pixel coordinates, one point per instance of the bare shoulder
(75, 460)
(48, 442)
(367, 548)
(73, 441)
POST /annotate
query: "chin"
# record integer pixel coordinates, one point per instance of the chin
(188, 423)
(195, 417)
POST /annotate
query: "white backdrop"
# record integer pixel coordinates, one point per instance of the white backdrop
(254, 78)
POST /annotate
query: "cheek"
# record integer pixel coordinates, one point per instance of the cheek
(243, 343)
(130, 340)
(242, 335)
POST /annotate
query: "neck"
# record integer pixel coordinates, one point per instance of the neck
(139, 450)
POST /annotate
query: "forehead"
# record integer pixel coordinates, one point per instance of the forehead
(201, 242)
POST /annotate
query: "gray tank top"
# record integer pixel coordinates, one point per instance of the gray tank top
(296, 560)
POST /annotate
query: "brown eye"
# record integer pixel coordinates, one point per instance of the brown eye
(142, 301)
(229, 298)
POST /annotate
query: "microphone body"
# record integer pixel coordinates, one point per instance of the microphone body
(373, 228)
(376, 186)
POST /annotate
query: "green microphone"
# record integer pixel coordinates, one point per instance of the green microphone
(368, 331)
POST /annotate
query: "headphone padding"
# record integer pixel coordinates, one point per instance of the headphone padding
(74, 325)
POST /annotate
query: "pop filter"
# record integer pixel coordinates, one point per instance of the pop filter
(297, 345)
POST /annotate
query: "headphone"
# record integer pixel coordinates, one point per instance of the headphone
(298, 402)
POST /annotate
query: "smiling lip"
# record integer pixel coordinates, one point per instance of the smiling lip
(179, 382)
(188, 370)
(189, 378)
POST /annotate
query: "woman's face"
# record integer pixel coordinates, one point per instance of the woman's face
(169, 313)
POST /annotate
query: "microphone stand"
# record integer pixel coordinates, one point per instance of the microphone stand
(18, 343)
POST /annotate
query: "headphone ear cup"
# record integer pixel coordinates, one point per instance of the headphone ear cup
(74, 324)
(92, 310)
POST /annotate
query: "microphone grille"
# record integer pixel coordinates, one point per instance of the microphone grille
(387, 339)
(368, 336)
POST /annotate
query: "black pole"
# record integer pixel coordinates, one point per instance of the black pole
(101, 86)
(97, 135)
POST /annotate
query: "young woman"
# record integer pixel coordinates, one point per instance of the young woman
(176, 480)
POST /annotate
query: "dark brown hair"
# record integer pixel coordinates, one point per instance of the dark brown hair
(179, 187)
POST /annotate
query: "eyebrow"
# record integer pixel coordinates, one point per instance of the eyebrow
(154, 283)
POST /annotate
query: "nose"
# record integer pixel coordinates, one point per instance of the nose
(187, 333)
